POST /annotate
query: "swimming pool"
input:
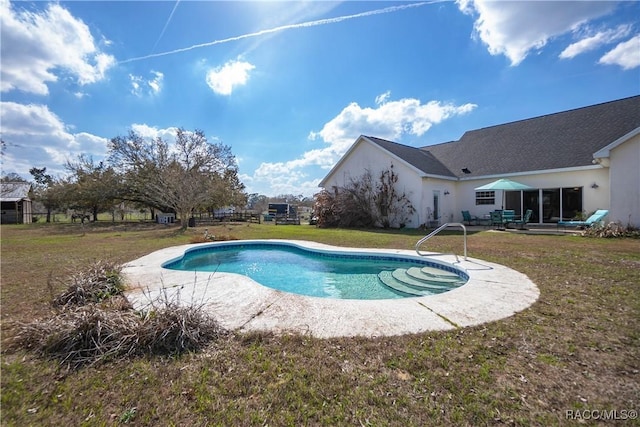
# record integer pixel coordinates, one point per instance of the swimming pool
(241, 304)
(291, 268)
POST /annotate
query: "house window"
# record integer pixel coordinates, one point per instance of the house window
(485, 198)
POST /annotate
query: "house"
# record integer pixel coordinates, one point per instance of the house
(575, 161)
(15, 203)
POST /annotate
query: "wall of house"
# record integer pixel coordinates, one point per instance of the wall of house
(625, 183)
(446, 190)
(366, 156)
(593, 198)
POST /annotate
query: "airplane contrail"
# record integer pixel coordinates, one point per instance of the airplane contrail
(166, 24)
(283, 28)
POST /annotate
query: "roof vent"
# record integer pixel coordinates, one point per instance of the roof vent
(465, 170)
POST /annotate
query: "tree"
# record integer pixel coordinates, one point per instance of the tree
(42, 190)
(183, 177)
(93, 187)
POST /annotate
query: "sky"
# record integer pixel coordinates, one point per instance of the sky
(290, 86)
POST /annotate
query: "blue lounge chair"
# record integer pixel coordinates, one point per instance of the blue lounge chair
(593, 219)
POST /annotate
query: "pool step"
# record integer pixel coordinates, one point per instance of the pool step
(386, 277)
(413, 281)
(419, 274)
(433, 271)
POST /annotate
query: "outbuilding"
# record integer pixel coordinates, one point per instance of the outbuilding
(15, 203)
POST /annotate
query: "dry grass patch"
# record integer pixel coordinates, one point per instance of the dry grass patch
(577, 347)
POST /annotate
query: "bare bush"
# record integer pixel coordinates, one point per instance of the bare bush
(92, 284)
(611, 230)
(97, 323)
(365, 202)
(81, 336)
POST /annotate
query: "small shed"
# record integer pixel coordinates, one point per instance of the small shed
(15, 203)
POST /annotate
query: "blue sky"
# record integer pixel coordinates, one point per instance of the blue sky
(291, 85)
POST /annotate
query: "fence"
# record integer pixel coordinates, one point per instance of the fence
(224, 217)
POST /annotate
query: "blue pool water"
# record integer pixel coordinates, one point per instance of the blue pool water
(293, 269)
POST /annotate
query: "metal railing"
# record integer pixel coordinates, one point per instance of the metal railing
(439, 229)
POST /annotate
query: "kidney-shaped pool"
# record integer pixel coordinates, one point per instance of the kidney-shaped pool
(490, 291)
(290, 268)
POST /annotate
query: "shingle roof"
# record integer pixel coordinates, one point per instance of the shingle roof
(421, 159)
(555, 141)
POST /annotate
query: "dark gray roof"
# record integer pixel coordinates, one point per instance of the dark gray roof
(555, 141)
(421, 159)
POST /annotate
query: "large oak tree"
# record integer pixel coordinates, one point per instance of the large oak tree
(183, 176)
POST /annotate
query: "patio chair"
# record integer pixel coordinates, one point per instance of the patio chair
(508, 216)
(525, 219)
(496, 219)
(468, 218)
(593, 219)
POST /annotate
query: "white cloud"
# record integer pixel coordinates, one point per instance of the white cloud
(141, 86)
(224, 79)
(152, 132)
(390, 120)
(626, 54)
(38, 137)
(156, 83)
(595, 41)
(516, 28)
(39, 47)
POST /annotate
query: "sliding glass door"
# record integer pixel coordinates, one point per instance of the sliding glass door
(549, 205)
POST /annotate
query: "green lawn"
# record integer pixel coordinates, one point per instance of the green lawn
(577, 348)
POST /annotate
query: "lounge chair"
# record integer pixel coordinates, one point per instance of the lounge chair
(468, 218)
(593, 219)
(525, 219)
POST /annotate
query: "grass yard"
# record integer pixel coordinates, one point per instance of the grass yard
(573, 355)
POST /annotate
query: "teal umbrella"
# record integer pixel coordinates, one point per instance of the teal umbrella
(504, 185)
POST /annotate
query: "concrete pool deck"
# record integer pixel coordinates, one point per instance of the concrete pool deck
(493, 292)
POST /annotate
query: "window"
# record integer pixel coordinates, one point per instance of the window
(485, 198)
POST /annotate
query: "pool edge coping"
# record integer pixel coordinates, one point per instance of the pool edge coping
(492, 292)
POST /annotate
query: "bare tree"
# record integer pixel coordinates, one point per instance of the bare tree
(185, 176)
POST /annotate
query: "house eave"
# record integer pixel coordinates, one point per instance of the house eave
(534, 172)
(605, 151)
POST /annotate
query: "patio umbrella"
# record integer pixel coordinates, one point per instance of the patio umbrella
(504, 185)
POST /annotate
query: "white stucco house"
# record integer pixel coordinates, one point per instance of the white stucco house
(575, 161)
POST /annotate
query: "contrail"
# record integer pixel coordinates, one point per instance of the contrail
(166, 25)
(283, 28)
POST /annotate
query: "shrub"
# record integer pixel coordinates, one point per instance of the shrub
(96, 323)
(364, 202)
(611, 230)
(90, 285)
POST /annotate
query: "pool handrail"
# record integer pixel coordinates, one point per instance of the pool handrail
(439, 229)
